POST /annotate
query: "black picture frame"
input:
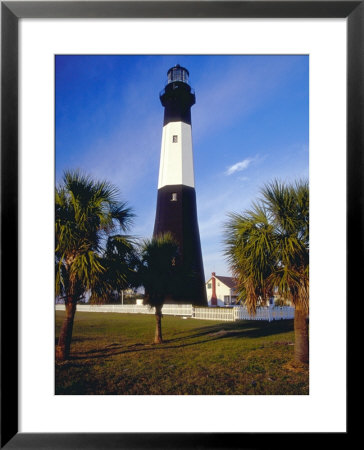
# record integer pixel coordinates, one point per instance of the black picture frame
(11, 12)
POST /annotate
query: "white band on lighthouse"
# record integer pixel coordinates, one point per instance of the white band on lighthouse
(176, 162)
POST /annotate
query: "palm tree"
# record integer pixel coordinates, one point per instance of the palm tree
(158, 274)
(121, 262)
(268, 250)
(87, 212)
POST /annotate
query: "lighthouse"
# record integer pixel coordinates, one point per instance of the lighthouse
(176, 203)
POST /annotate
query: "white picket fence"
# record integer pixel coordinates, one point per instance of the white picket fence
(265, 313)
(225, 314)
(282, 312)
(171, 310)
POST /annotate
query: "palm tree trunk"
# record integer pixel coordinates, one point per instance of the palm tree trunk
(158, 330)
(301, 335)
(65, 337)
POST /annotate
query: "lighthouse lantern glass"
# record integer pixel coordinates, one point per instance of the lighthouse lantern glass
(177, 74)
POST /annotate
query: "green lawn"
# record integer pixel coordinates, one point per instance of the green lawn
(113, 354)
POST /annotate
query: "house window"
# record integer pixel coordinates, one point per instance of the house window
(175, 138)
(174, 197)
(226, 300)
(209, 286)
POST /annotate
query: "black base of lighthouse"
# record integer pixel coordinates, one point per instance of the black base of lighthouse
(177, 214)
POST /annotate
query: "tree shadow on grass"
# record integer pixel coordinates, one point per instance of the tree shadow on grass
(246, 330)
(242, 329)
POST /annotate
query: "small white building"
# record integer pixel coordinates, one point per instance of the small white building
(221, 291)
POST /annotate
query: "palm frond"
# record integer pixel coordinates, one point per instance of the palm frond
(267, 246)
(86, 213)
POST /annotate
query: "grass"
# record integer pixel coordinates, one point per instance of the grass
(113, 354)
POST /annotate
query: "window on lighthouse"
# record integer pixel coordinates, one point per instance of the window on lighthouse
(174, 197)
(175, 138)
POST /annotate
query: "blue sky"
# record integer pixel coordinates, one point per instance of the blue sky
(250, 125)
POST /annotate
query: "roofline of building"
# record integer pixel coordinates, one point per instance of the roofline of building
(217, 277)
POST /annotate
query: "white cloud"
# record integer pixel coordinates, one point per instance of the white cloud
(239, 166)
